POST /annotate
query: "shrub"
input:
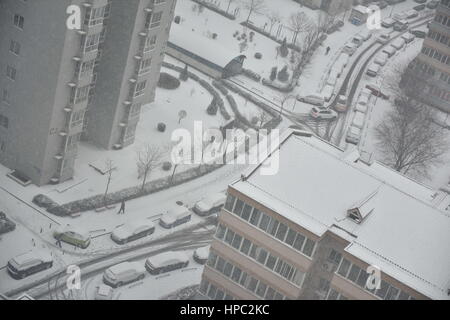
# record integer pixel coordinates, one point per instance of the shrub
(167, 166)
(214, 36)
(283, 49)
(258, 55)
(177, 20)
(283, 75)
(44, 201)
(184, 75)
(273, 73)
(161, 127)
(168, 81)
(212, 108)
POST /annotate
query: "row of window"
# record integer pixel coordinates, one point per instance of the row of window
(139, 89)
(79, 94)
(243, 279)
(149, 43)
(90, 43)
(436, 54)
(359, 276)
(270, 225)
(85, 68)
(214, 292)
(77, 118)
(260, 255)
(446, 3)
(135, 109)
(95, 16)
(4, 121)
(72, 141)
(439, 37)
(153, 20)
(145, 66)
(443, 19)
(335, 295)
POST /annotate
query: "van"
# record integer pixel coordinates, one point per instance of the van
(174, 217)
(29, 263)
(123, 273)
(312, 99)
(210, 204)
(353, 135)
(166, 262)
(389, 50)
(373, 69)
(358, 120)
(381, 59)
(398, 43)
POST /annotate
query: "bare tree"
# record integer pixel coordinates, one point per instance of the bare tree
(260, 120)
(148, 159)
(253, 6)
(274, 18)
(109, 168)
(299, 22)
(408, 138)
(325, 21)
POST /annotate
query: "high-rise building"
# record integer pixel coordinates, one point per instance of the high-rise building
(431, 68)
(59, 84)
(331, 226)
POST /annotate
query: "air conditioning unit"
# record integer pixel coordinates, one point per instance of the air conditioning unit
(328, 266)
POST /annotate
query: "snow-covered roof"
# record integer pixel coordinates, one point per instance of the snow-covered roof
(202, 46)
(360, 9)
(316, 186)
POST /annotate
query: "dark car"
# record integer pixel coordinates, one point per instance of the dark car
(432, 4)
(420, 1)
(420, 7)
(419, 33)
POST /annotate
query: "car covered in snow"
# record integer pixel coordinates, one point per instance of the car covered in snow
(359, 119)
(104, 292)
(201, 255)
(132, 231)
(73, 236)
(408, 37)
(418, 33)
(411, 14)
(175, 217)
(211, 204)
(327, 92)
(387, 23)
(312, 99)
(353, 135)
(365, 34)
(389, 50)
(358, 40)
(384, 37)
(341, 104)
(29, 263)
(373, 70)
(166, 262)
(123, 273)
(321, 113)
(401, 25)
(350, 48)
(381, 59)
(398, 43)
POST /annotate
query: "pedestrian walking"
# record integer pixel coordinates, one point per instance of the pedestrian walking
(34, 243)
(122, 207)
(328, 51)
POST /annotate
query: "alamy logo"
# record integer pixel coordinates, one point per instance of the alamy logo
(73, 281)
(373, 18)
(237, 147)
(374, 280)
(73, 22)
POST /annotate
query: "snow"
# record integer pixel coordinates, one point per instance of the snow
(167, 258)
(415, 243)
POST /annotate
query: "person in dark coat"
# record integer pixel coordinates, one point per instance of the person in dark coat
(328, 51)
(122, 207)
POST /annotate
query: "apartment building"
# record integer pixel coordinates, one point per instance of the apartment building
(329, 6)
(58, 85)
(320, 226)
(432, 65)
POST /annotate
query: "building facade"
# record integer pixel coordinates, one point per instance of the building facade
(316, 239)
(58, 85)
(432, 65)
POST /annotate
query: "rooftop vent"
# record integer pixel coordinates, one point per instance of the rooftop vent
(361, 210)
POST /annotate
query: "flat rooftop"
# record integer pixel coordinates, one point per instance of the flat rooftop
(317, 183)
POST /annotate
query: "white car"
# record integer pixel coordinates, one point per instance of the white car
(400, 16)
(132, 231)
(312, 99)
(384, 37)
(410, 14)
(29, 263)
(174, 217)
(358, 40)
(408, 37)
(387, 23)
(373, 70)
(341, 105)
(210, 204)
(361, 108)
(123, 273)
(366, 34)
(350, 48)
(363, 99)
(104, 292)
(353, 135)
(398, 43)
(381, 59)
(389, 50)
(166, 262)
(358, 120)
(201, 255)
(323, 113)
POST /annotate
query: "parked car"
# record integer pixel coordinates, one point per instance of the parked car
(419, 33)
(408, 37)
(381, 4)
(341, 105)
(376, 91)
(373, 69)
(166, 262)
(363, 99)
(400, 16)
(201, 255)
(174, 217)
(384, 37)
(365, 34)
(389, 50)
(73, 236)
(350, 48)
(361, 108)
(104, 292)
(401, 25)
(327, 92)
(358, 120)
(432, 4)
(321, 113)
(411, 14)
(420, 7)
(358, 40)
(211, 204)
(353, 135)
(6, 225)
(381, 59)
(420, 1)
(387, 23)
(312, 99)
(398, 43)
(123, 273)
(29, 263)
(132, 231)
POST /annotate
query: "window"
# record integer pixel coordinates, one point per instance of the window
(91, 42)
(254, 219)
(11, 72)
(343, 268)
(230, 203)
(261, 290)
(220, 233)
(238, 207)
(299, 240)
(227, 269)
(14, 47)
(270, 263)
(246, 212)
(150, 43)
(19, 21)
(245, 246)
(79, 94)
(354, 273)
(265, 219)
(72, 141)
(140, 88)
(309, 247)
(153, 20)
(129, 132)
(272, 229)
(6, 97)
(281, 232)
(135, 108)
(145, 65)
(212, 259)
(229, 237)
(4, 121)
(290, 238)
(262, 255)
(77, 118)
(237, 241)
(236, 274)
